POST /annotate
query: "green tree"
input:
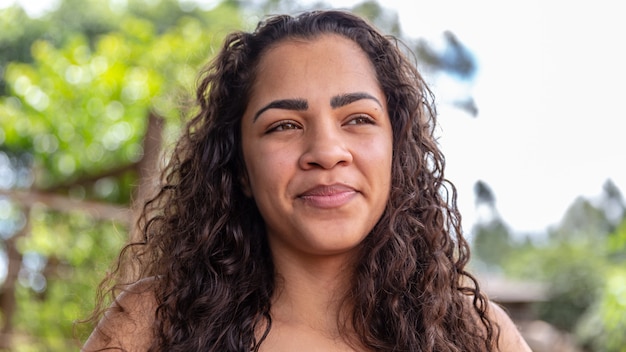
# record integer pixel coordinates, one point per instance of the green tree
(583, 262)
(491, 237)
(602, 327)
(83, 115)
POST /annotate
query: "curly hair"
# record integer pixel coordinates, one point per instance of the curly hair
(205, 243)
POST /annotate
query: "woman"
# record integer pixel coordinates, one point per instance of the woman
(305, 209)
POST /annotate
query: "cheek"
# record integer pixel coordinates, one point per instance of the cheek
(383, 162)
(267, 170)
(379, 151)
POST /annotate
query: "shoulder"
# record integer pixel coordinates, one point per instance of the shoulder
(510, 338)
(127, 324)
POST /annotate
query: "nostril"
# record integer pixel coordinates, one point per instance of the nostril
(326, 158)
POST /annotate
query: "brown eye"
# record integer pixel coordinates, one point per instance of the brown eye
(283, 126)
(360, 120)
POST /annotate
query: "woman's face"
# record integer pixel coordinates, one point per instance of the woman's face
(317, 146)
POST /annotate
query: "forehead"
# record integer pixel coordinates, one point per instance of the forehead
(319, 64)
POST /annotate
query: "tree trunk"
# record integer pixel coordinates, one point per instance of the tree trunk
(7, 297)
(148, 170)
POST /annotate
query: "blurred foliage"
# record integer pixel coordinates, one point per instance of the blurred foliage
(77, 87)
(603, 326)
(81, 105)
(65, 256)
(492, 239)
(582, 261)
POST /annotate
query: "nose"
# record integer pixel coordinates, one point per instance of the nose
(325, 147)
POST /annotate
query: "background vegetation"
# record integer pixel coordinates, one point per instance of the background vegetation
(92, 93)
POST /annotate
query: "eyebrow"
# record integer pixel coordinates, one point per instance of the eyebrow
(286, 104)
(302, 105)
(349, 98)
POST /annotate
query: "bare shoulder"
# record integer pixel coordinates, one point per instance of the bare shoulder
(510, 337)
(127, 324)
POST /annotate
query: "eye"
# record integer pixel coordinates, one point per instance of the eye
(283, 126)
(360, 120)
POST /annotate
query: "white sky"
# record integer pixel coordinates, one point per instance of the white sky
(551, 75)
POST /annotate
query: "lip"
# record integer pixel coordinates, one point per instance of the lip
(328, 196)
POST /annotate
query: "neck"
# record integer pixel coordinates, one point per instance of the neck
(310, 291)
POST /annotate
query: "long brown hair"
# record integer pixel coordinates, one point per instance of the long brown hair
(204, 241)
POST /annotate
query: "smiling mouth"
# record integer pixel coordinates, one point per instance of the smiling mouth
(328, 197)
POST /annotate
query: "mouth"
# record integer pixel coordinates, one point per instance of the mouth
(328, 196)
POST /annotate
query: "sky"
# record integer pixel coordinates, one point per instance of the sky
(548, 90)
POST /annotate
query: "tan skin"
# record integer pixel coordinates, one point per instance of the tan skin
(334, 156)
